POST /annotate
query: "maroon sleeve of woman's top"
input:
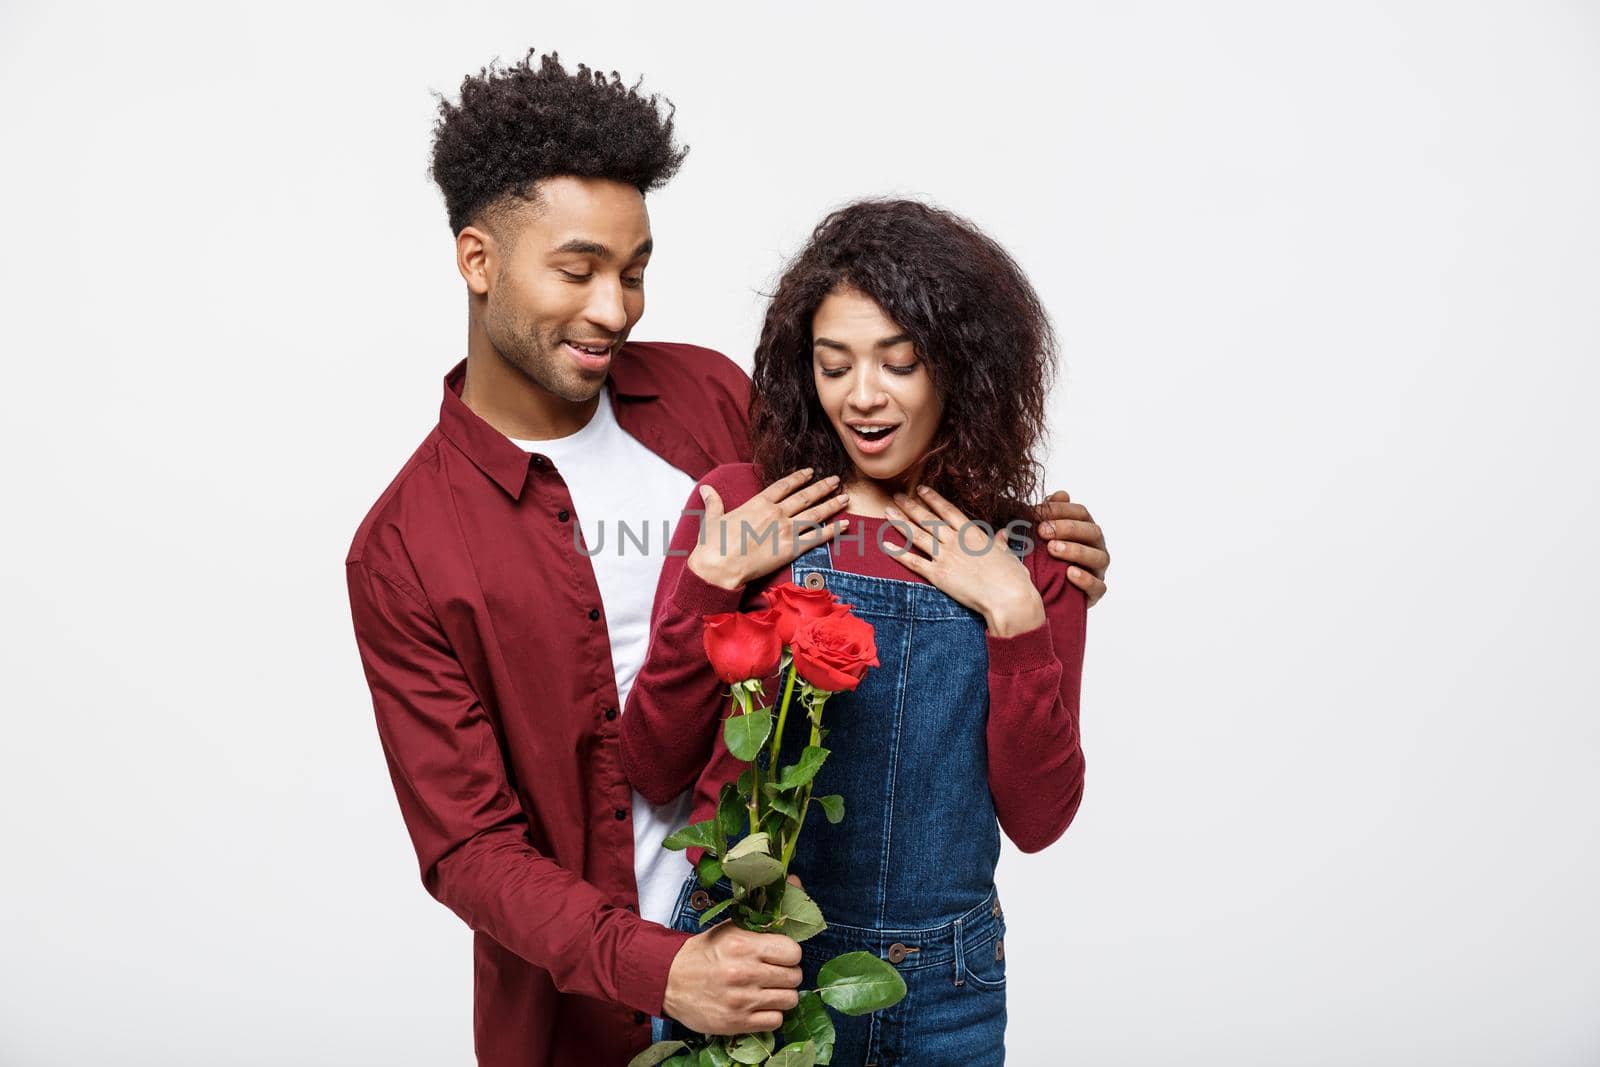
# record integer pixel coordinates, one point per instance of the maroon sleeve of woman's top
(670, 721)
(1035, 760)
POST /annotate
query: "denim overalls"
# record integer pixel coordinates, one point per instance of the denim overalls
(909, 873)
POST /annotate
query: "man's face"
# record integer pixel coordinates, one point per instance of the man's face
(568, 282)
(873, 385)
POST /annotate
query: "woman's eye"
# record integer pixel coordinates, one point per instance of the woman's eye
(834, 373)
(892, 368)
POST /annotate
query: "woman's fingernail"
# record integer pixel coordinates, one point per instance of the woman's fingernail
(893, 513)
(924, 490)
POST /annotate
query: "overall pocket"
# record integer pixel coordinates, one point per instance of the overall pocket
(981, 956)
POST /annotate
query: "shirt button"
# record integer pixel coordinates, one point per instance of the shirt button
(631, 908)
(594, 614)
(538, 461)
(611, 713)
(620, 814)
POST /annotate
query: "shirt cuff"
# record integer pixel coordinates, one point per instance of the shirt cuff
(694, 595)
(1025, 652)
(642, 981)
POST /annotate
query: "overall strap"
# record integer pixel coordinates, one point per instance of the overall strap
(815, 558)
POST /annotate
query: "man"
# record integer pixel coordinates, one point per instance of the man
(498, 652)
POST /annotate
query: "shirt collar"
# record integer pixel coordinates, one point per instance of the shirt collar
(495, 454)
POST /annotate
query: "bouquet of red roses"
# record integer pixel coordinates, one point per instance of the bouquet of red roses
(811, 643)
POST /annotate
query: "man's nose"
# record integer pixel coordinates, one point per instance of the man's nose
(606, 308)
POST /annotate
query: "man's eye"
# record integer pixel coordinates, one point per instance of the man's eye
(572, 276)
(633, 283)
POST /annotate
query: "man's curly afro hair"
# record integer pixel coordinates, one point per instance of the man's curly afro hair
(515, 126)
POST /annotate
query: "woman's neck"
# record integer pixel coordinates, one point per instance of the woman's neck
(870, 497)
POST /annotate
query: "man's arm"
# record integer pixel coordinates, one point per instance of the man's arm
(466, 823)
(471, 838)
(1072, 536)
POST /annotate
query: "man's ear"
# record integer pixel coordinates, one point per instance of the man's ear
(476, 253)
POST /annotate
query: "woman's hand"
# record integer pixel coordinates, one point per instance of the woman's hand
(767, 531)
(976, 571)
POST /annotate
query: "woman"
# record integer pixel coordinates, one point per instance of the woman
(902, 369)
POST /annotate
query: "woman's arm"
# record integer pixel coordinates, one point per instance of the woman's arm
(671, 716)
(1035, 759)
(670, 721)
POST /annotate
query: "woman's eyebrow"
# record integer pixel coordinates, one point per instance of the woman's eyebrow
(887, 342)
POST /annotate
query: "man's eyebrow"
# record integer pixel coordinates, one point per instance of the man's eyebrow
(581, 247)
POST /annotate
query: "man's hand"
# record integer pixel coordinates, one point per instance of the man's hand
(1072, 536)
(732, 981)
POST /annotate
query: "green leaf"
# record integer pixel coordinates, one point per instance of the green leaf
(708, 871)
(809, 1021)
(746, 782)
(800, 773)
(832, 807)
(859, 982)
(657, 1053)
(752, 871)
(749, 845)
(730, 810)
(714, 1055)
(801, 916)
(751, 1048)
(682, 1059)
(715, 910)
(750, 862)
(745, 734)
(706, 835)
(778, 800)
(795, 1056)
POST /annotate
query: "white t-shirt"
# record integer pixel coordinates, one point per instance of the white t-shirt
(615, 481)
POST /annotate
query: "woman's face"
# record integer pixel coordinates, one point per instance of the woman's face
(873, 385)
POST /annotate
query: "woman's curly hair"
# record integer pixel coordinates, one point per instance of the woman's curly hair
(973, 318)
(515, 126)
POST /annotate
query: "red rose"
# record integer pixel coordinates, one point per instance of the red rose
(834, 652)
(793, 605)
(742, 645)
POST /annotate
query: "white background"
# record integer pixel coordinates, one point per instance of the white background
(1326, 279)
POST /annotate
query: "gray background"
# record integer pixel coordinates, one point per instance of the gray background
(1326, 279)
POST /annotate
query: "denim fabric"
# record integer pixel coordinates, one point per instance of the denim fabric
(912, 864)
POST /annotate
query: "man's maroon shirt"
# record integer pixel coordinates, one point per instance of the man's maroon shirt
(483, 638)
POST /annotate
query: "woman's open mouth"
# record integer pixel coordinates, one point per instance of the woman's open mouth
(873, 438)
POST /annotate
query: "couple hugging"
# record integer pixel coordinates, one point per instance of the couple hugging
(548, 713)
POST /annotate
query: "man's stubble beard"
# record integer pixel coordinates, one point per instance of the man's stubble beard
(538, 359)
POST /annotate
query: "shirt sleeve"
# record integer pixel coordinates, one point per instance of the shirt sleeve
(1036, 766)
(670, 722)
(466, 822)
